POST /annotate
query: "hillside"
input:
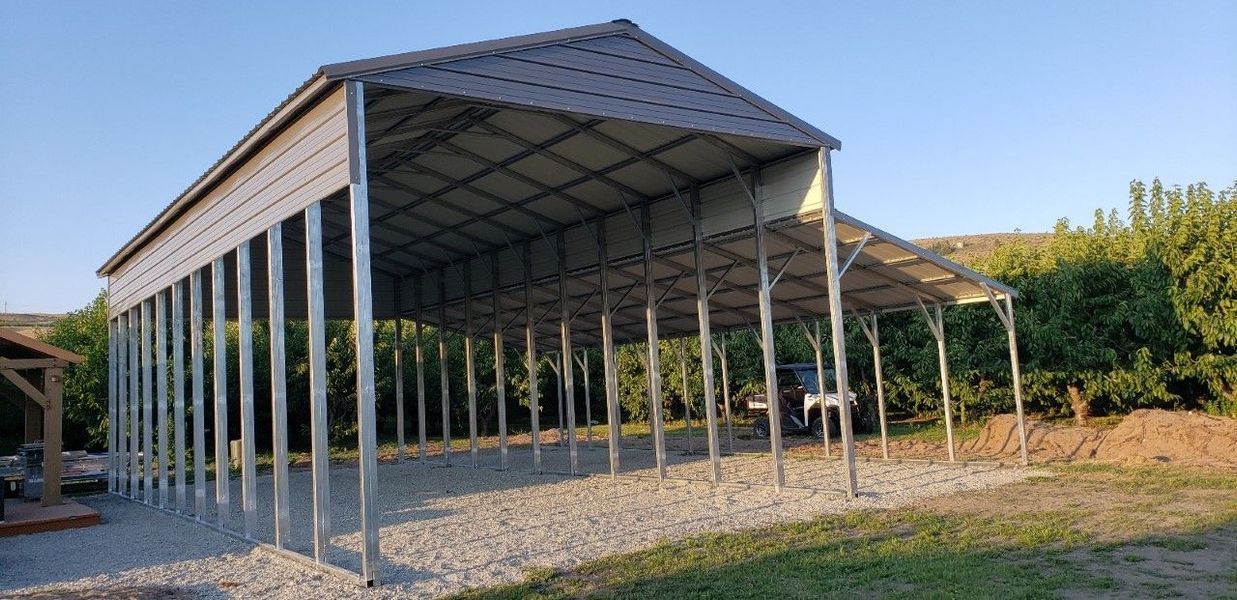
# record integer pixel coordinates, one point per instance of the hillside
(29, 323)
(965, 249)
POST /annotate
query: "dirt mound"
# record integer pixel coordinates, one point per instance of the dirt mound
(1046, 442)
(1144, 436)
(1172, 437)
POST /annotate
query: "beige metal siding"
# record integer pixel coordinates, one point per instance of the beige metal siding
(303, 164)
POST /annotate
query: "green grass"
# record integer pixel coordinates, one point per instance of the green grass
(928, 431)
(944, 551)
(895, 554)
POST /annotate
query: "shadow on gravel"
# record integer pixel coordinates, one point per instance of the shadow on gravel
(117, 593)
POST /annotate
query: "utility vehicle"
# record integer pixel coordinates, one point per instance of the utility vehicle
(800, 398)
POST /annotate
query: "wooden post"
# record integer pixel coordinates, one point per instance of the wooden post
(53, 390)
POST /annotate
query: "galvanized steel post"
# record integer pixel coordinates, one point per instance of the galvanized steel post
(582, 362)
(873, 335)
(613, 410)
(568, 384)
(687, 402)
(557, 365)
(398, 359)
(706, 337)
(530, 340)
(1016, 374)
(161, 389)
(654, 352)
(817, 343)
(198, 385)
(419, 356)
(500, 371)
(725, 362)
(279, 386)
(470, 366)
(766, 337)
(936, 324)
(148, 399)
(838, 326)
(178, 387)
(135, 402)
(444, 383)
(363, 315)
(317, 383)
(219, 351)
(244, 312)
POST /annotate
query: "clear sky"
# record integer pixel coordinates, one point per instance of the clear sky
(955, 117)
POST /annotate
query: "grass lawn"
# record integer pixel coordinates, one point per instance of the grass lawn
(1085, 530)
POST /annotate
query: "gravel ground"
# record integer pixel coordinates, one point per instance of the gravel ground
(446, 529)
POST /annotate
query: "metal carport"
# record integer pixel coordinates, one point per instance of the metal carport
(585, 187)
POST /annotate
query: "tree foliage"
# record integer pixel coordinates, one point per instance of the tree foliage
(1117, 315)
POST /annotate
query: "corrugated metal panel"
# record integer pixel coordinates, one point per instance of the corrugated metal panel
(606, 83)
(576, 56)
(617, 77)
(303, 164)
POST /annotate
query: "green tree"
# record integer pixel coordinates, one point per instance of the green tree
(85, 386)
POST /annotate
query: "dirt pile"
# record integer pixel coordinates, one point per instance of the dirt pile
(1172, 437)
(1145, 436)
(1046, 442)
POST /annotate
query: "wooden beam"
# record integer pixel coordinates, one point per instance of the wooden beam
(24, 385)
(33, 363)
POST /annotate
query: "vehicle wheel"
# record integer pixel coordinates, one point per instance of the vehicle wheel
(818, 428)
(760, 428)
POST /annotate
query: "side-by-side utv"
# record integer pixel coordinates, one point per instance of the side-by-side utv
(801, 406)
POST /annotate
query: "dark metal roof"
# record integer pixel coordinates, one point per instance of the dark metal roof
(618, 56)
(611, 70)
(369, 66)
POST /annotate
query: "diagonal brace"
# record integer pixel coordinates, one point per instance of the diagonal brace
(27, 387)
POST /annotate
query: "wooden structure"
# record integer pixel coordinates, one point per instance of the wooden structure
(23, 518)
(37, 370)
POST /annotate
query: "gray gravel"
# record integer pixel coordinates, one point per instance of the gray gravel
(446, 529)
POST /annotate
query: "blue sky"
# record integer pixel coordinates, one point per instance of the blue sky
(956, 117)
